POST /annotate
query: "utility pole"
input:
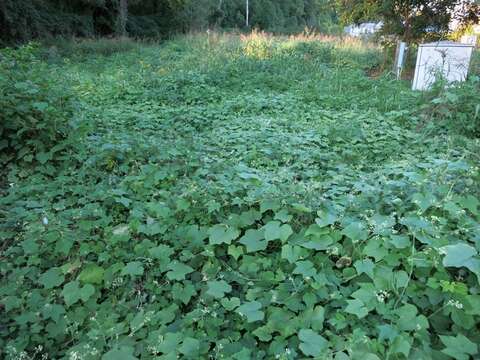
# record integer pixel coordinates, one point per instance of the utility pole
(246, 18)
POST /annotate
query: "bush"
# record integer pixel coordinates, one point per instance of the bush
(457, 107)
(35, 108)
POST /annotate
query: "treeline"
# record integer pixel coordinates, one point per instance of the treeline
(23, 20)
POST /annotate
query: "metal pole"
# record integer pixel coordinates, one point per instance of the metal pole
(246, 18)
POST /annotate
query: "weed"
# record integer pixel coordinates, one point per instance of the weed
(243, 197)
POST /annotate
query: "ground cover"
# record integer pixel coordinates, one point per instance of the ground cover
(241, 197)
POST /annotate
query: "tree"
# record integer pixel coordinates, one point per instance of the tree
(411, 20)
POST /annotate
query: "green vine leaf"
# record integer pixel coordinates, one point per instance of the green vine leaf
(312, 344)
(251, 310)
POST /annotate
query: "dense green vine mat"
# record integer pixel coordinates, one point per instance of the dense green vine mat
(222, 198)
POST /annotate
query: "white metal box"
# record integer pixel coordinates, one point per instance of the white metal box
(444, 58)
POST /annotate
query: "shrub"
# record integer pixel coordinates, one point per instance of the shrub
(456, 107)
(35, 108)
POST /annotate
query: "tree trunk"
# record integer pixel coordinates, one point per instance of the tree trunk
(122, 18)
(247, 14)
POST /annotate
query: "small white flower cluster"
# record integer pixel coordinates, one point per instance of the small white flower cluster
(382, 295)
(153, 350)
(455, 303)
(117, 282)
(435, 219)
(332, 251)
(287, 353)
(74, 356)
(205, 310)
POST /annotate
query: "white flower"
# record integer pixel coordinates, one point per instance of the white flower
(45, 221)
(455, 303)
(382, 295)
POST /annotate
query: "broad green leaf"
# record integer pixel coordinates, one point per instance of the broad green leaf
(301, 208)
(254, 240)
(218, 289)
(401, 345)
(178, 270)
(222, 234)
(457, 255)
(235, 251)
(134, 268)
(423, 201)
(161, 252)
(266, 205)
(138, 321)
(274, 230)
(400, 241)
(471, 203)
(53, 311)
(317, 318)
(305, 268)
(462, 255)
(183, 291)
(230, 304)
(386, 332)
(251, 310)
(43, 157)
(263, 333)
(291, 253)
(364, 266)
(121, 353)
(169, 342)
(401, 279)
(190, 347)
(459, 347)
(92, 274)
(51, 278)
(311, 343)
(356, 307)
(283, 216)
(356, 231)
(86, 292)
(326, 217)
(71, 293)
(319, 238)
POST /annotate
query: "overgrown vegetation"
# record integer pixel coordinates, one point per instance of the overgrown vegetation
(235, 197)
(37, 108)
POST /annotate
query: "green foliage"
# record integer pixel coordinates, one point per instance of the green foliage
(233, 206)
(36, 108)
(410, 20)
(455, 107)
(24, 20)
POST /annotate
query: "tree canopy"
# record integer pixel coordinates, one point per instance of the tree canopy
(410, 19)
(27, 19)
(22, 20)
